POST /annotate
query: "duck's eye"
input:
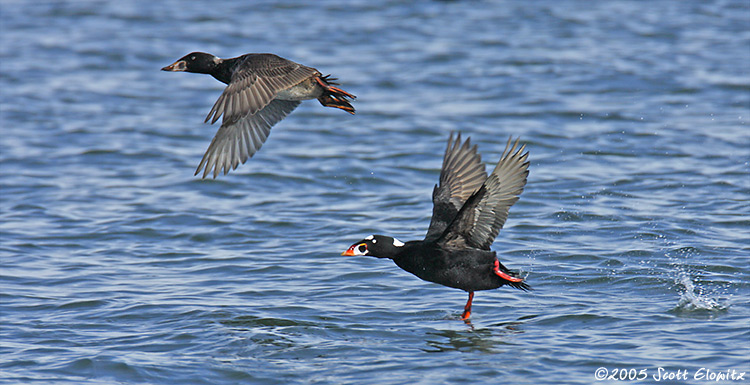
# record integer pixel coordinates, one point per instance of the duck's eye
(362, 248)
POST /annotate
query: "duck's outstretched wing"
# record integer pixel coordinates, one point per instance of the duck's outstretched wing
(236, 141)
(250, 110)
(483, 215)
(461, 175)
(255, 82)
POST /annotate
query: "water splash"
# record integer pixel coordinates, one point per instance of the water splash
(695, 300)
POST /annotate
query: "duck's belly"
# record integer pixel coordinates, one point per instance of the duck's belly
(308, 89)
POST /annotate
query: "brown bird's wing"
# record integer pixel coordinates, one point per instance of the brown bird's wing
(250, 110)
(255, 83)
(461, 175)
(236, 141)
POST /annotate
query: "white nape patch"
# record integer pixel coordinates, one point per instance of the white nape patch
(370, 238)
(397, 243)
(217, 60)
(374, 241)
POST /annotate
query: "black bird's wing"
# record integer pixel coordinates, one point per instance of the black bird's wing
(250, 110)
(461, 175)
(483, 215)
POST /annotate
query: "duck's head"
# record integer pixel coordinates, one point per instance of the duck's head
(379, 246)
(199, 62)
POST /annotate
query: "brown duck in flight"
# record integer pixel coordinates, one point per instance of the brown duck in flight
(261, 90)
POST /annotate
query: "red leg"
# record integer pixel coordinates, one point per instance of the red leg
(467, 308)
(337, 90)
(329, 101)
(334, 90)
(504, 275)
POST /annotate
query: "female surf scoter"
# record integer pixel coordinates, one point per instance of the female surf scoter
(469, 209)
(262, 89)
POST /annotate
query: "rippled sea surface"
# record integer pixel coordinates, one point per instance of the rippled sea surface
(118, 266)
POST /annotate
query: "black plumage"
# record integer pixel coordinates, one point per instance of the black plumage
(469, 209)
(261, 90)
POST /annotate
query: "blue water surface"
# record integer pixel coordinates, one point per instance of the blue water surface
(117, 265)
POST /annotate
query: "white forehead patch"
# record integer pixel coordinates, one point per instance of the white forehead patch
(397, 243)
(370, 238)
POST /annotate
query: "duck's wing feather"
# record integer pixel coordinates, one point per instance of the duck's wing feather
(254, 83)
(483, 215)
(461, 175)
(238, 140)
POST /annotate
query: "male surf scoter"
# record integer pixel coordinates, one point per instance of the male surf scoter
(469, 209)
(262, 89)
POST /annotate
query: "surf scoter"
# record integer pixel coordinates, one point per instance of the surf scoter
(262, 89)
(469, 209)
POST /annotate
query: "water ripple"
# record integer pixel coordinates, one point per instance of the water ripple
(119, 266)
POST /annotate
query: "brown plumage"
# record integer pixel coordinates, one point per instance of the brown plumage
(261, 90)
